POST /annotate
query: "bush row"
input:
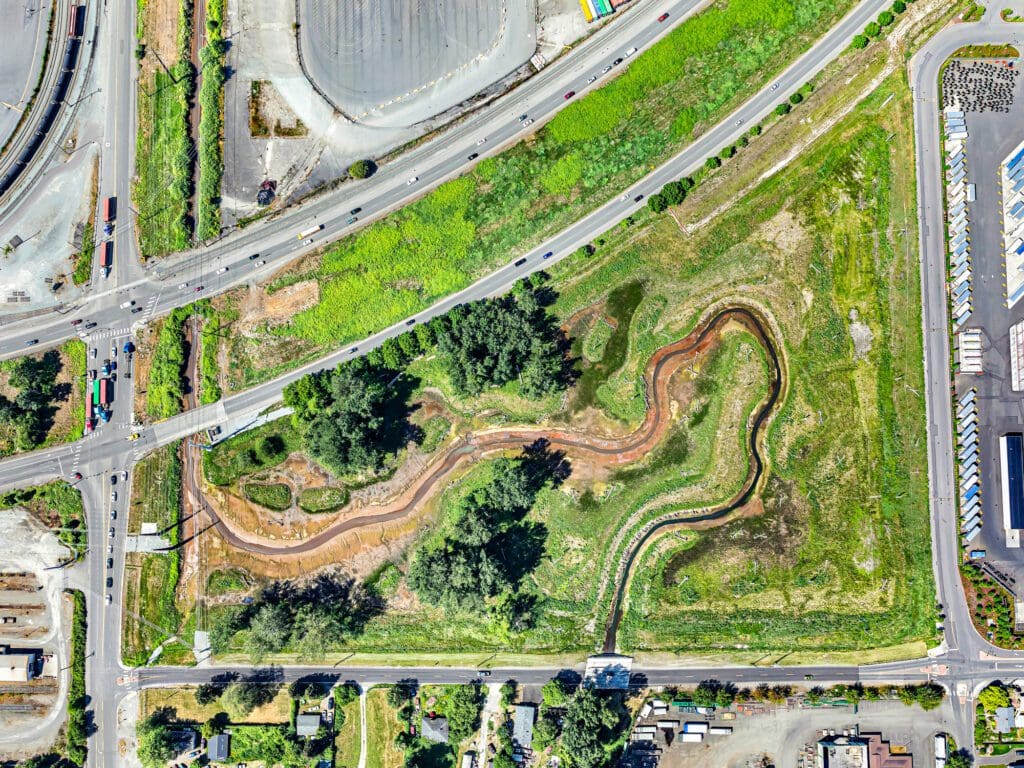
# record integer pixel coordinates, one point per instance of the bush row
(885, 19)
(77, 731)
(211, 123)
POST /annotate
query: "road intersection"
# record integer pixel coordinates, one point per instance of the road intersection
(963, 663)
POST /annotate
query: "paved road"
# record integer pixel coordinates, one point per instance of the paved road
(962, 666)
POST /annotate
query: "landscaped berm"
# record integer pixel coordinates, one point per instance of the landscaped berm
(751, 384)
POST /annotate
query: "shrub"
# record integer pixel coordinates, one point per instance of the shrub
(712, 162)
(796, 98)
(899, 7)
(657, 203)
(728, 152)
(270, 495)
(326, 499)
(885, 18)
(755, 130)
(783, 109)
(860, 41)
(362, 169)
(872, 30)
(743, 141)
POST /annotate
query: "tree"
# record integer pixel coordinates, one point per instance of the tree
(546, 731)
(728, 152)
(899, 6)
(207, 693)
(362, 169)
(885, 18)
(755, 130)
(657, 203)
(929, 696)
(345, 693)
(241, 698)
(712, 693)
(960, 759)
(508, 693)
(463, 711)
(712, 163)
(782, 109)
(587, 727)
(993, 697)
(400, 693)
(554, 693)
(796, 97)
(269, 631)
(860, 41)
(155, 743)
(872, 30)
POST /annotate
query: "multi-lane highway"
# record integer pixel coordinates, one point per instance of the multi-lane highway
(966, 662)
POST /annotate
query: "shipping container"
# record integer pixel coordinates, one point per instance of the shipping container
(310, 232)
(968, 396)
(107, 254)
(977, 554)
(695, 727)
(691, 738)
(972, 534)
(96, 392)
(106, 391)
(969, 521)
(720, 730)
(110, 209)
(671, 724)
(957, 135)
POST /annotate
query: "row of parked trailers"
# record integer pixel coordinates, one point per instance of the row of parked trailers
(597, 9)
(959, 193)
(691, 732)
(967, 461)
(1012, 178)
(76, 23)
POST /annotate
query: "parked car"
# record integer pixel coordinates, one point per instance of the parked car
(662, 18)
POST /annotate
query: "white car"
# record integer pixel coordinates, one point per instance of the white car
(606, 70)
(183, 286)
(127, 304)
(774, 86)
(113, 351)
(630, 52)
(527, 123)
(412, 181)
(259, 263)
(222, 270)
(108, 600)
(482, 141)
(113, 495)
(309, 241)
(591, 79)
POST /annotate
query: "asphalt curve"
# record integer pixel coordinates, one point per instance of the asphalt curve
(755, 325)
(656, 422)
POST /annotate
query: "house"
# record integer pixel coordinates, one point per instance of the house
(435, 729)
(218, 748)
(16, 665)
(1004, 719)
(308, 725)
(468, 759)
(523, 717)
(184, 741)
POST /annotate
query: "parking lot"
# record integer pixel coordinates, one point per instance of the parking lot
(397, 62)
(992, 134)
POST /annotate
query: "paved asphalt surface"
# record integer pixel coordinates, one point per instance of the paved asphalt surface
(963, 665)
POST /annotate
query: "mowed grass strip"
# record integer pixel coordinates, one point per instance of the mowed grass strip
(382, 726)
(603, 142)
(347, 740)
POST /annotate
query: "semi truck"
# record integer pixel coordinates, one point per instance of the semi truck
(310, 232)
(110, 209)
(106, 391)
(107, 257)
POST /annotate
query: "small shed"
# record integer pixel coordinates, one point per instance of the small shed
(307, 726)
(218, 748)
(435, 729)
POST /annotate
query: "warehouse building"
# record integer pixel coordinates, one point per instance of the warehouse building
(1011, 458)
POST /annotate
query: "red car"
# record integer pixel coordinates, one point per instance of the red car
(77, 475)
(570, 94)
(663, 17)
(76, 322)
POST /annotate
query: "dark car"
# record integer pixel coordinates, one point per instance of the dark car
(76, 322)
(616, 62)
(90, 325)
(520, 263)
(410, 321)
(354, 211)
(110, 582)
(638, 198)
(352, 220)
(31, 342)
(136, 310)
(199, 288)
(110, 564)
(570, 94)
(523, 117)
(353, 350)
(663, 17)
(549, 254)
(474, 156)
(77, 475)
(254, 257)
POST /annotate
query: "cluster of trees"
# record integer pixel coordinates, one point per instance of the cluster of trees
(211, 121)
(584, 725)
(308, 619)
(362, 169)
(492, 342)
(479, 564)
(341, 416)
(874, 28)
(712, 693)
(155, 742)
(32, 409)
(993, 697)
(671, 194)
(459, 704)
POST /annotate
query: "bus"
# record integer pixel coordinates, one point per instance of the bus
(310, 232)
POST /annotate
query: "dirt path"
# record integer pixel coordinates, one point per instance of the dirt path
(606, 451)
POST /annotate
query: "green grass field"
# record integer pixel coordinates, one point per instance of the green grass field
(152, 610)
(382, 725)
(347, 742)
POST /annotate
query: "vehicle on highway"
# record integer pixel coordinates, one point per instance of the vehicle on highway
(606, 70)
(774, 86)
(473, 156)
(638, 198)
(110, 533)
(199, 287)
(548, 255)
(222, 270)
(663, 17)
(107, 257)
(523, 117)
(624, 198)
(527, 123)
(629, 53)
(352, 220)
(113, 351)
(411, 181)
(110, 549)
(353, 350)
(483, 673)
(110, 209)
(410, 321)
(90, 325)
(353, 212)
(108, 229)
(259, 264)
(183, 286)
(570, 94)
(616, 62)
(77, 475)
(113, 514)
(134, 436)
(254, 256)
(124, 475)
(92, 352)
(304, 234)
(740, 121)
(110, 562)
(76, 322)
(591, 79)
(482, 141)
(129, 303)
(107, 600)
(113, 495)
(136, 310)
(31, 342)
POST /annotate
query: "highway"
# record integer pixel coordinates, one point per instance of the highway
(961, 666)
